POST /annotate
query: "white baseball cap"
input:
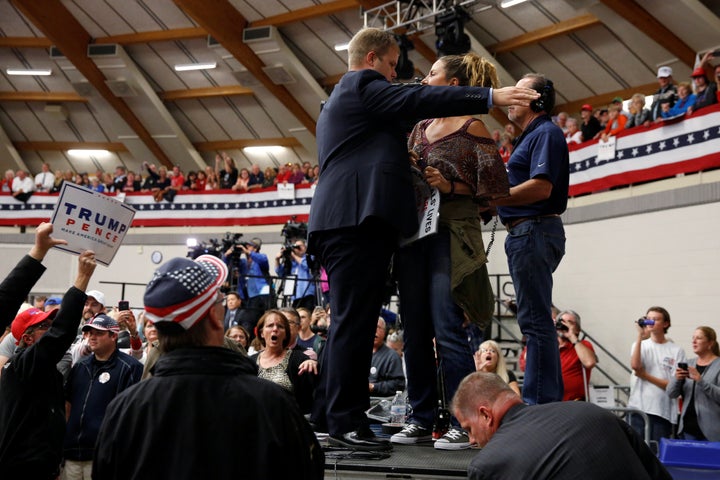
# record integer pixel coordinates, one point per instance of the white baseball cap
(97, 295)
(664, 72)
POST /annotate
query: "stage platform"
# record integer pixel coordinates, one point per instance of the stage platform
(415, 462)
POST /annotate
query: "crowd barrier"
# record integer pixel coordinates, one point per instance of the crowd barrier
(641, 154)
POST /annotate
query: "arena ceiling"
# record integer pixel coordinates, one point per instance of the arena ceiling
(113, 85)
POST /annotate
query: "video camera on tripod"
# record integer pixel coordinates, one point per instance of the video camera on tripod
(218, 248)
(211, 247)
(292, 230)
(231, 241)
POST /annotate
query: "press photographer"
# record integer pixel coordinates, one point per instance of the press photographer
(577, 357)
(292, 264)
(253, 285)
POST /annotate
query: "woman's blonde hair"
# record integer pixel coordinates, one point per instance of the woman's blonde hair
(501, 368)
(471, 70)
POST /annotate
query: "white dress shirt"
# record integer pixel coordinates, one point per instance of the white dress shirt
(44, 181)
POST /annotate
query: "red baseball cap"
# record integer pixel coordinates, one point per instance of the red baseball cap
(698, 72)
(587, 107)
(28, 318)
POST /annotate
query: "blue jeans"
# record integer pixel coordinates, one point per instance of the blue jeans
(659, 427)
(534, 249)
(428, 311)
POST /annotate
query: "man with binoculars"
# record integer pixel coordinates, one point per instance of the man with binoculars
(575, 356)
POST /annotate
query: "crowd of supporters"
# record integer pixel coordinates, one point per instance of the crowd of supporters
(671, 101)
(160, 181)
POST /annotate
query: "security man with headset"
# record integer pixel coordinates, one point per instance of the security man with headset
(538, 171)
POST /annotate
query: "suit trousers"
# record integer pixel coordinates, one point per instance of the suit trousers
(356, 260)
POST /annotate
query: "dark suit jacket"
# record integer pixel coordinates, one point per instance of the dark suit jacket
(568, 441)
(235, 320)
(362, 148)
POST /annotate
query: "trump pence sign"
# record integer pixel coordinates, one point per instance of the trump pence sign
(90, 221)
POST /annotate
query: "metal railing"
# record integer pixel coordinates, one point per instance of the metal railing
(503, 332)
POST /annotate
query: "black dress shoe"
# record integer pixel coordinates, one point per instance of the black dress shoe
(318, 428)
(361, 439)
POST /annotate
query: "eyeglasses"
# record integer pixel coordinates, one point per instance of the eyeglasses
(488, 350)
(221, 299)
(40, 326)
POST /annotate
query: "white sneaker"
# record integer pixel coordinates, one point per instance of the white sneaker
(454, 439)
(411, 434)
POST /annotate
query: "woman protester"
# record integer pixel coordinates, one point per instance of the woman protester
(291, 369)
(443, 277)
(698, 382)
(488, 359)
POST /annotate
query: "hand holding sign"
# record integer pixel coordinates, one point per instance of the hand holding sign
(44, 242)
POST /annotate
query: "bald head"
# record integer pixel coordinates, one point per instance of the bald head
(480, 403)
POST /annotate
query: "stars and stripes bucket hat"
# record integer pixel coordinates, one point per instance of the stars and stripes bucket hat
(182, 290)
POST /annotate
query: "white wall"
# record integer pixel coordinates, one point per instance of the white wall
(615, 269)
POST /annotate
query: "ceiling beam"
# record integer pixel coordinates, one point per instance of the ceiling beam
(653, 28)
(423, 49)
(209, 92)
(52, 97)
(225, 23)
(155, 36)
(57, 23)
(603, 100)
(64, 146)
(561, 28)
(251, 142)
(25, 42)
(302, 14)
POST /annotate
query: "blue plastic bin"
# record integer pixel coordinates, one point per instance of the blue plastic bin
(691, 459)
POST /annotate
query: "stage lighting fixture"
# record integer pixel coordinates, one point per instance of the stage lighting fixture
(405, 69)
(451, 38)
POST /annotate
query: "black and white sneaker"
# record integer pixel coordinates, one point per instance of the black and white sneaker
(454, 439)
(412, 433)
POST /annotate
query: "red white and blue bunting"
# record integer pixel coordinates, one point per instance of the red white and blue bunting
(643, 154)
(220, 208)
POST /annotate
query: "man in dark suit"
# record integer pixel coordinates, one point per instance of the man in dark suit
(233, 311)
(559, 441)
(363, 203)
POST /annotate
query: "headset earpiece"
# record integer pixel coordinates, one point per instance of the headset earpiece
(541, 104)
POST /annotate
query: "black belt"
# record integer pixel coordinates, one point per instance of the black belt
(517, 221)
